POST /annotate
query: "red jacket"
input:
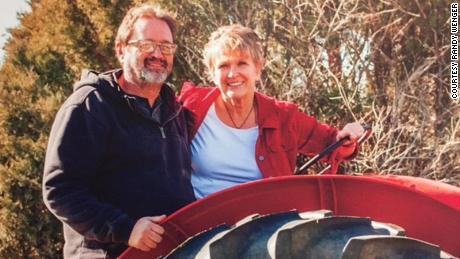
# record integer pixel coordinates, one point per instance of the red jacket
(284, 131)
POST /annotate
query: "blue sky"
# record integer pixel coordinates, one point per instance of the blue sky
(8, 19)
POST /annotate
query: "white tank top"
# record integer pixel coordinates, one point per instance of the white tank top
(222, 156)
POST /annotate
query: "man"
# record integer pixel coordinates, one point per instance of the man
(118, 152)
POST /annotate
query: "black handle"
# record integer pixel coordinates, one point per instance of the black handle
(331, 148)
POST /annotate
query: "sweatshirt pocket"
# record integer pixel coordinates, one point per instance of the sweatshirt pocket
(91, 253)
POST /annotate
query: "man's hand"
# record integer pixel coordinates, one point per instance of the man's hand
(353, 130)
(146, 233)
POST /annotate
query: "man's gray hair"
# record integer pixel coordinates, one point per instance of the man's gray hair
(145, 10)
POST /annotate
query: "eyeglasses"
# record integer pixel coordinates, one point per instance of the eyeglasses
(147, 46)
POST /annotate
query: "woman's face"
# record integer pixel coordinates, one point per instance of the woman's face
(235, 73)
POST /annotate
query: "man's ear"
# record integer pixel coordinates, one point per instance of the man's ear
(259, 68)
(120, 52)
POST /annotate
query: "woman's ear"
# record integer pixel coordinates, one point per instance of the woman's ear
(212, 75)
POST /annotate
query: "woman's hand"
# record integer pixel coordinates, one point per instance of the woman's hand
(352, 130)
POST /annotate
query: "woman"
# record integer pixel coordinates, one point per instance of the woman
(240, 135)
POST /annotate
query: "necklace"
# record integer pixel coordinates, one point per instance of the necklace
(245, 119)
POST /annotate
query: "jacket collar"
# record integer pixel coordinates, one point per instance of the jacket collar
(109, 83)
(266, 112)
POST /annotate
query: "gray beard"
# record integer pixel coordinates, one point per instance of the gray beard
(152, 77)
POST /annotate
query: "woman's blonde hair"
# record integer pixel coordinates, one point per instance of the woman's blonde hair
(235, 37)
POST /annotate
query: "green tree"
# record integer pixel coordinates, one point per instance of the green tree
(44, 57)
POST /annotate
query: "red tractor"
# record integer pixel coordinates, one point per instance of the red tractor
(320, 216)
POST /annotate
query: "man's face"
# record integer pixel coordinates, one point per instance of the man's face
(146, 59)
